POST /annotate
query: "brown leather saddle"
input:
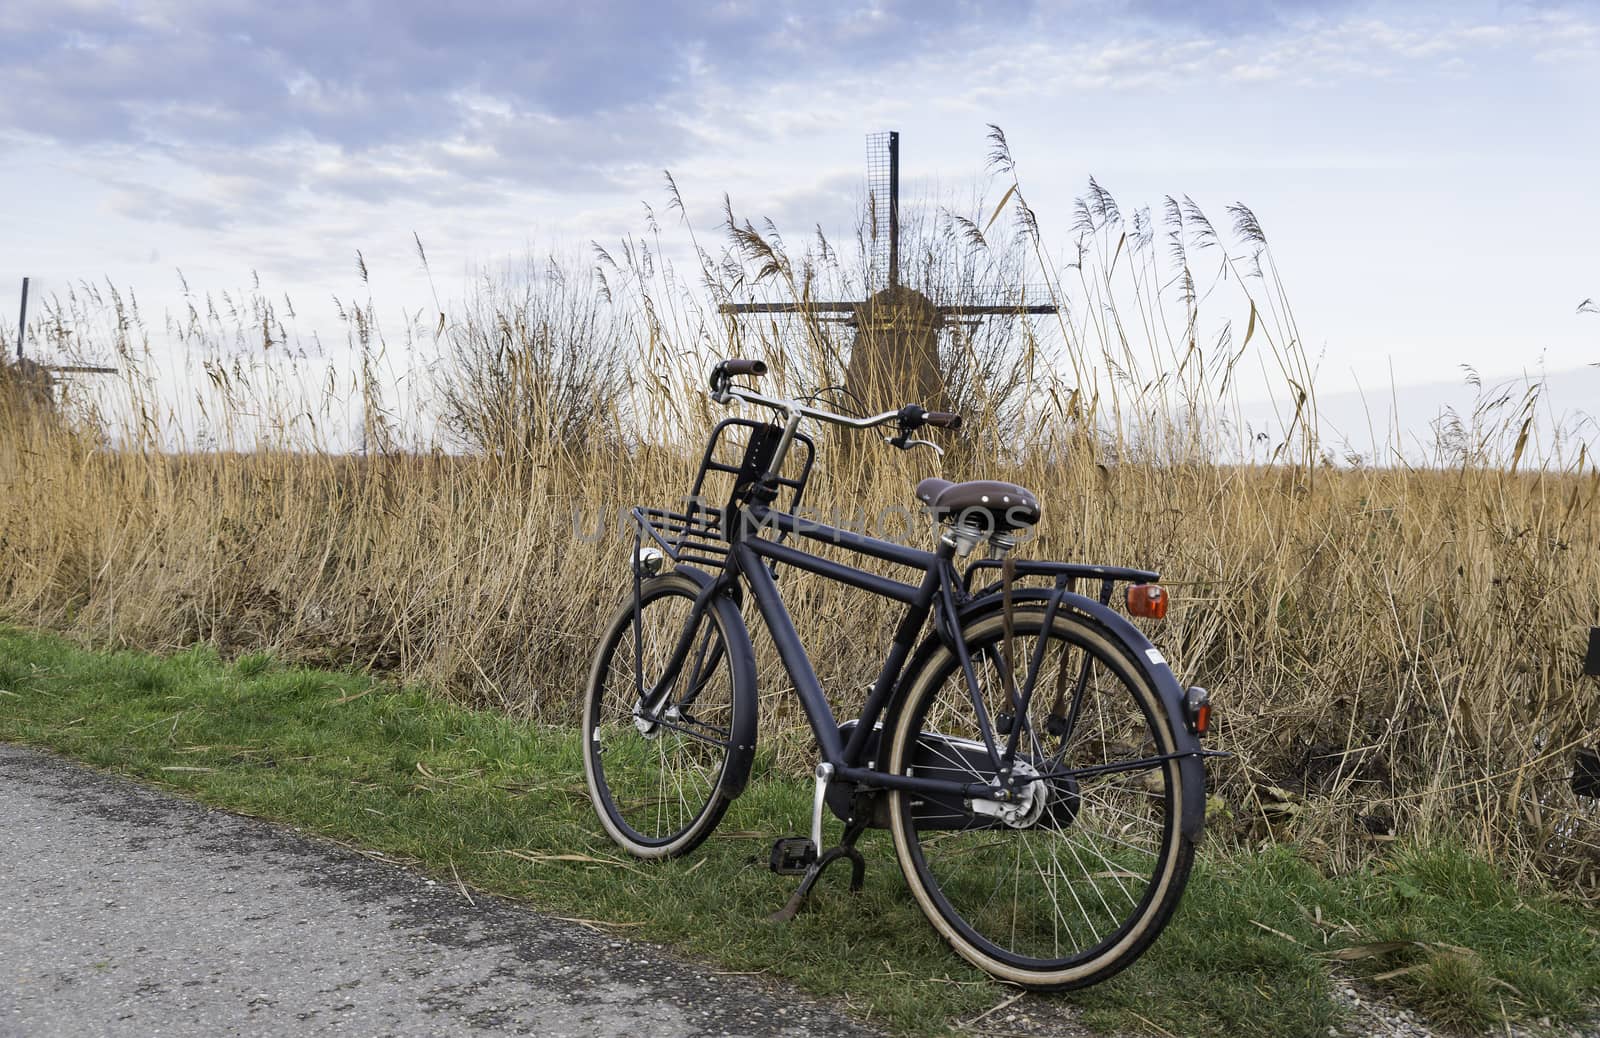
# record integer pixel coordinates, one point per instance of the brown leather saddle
(984, 504)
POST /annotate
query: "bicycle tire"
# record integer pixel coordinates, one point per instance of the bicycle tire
(660, 793)
(950, 854)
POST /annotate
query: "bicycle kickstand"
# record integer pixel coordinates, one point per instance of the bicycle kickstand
(845, 849)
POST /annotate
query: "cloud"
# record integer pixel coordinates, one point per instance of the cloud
(388, 99)
(474, 104)
(149, 202)
(1237, 17)
(364, 74)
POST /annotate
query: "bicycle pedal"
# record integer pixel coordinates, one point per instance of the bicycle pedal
(792, 855)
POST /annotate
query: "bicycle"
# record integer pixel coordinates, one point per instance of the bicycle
(1045, 819)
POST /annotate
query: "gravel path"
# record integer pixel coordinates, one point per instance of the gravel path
(131, 912)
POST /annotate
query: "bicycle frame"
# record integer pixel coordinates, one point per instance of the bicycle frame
(932, 592)
(940, 593)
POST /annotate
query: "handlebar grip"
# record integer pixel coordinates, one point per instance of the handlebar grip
(734, 368)
(943, 419)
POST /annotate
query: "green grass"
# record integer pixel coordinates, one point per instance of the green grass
(1255, 948)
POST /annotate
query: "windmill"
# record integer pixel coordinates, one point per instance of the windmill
(896, 349)
(37, 381)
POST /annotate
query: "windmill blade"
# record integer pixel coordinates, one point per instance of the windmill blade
(883, 209)
(960, 311)
(22, 318)
(788, 308)
(1010, 299)
(78, 369)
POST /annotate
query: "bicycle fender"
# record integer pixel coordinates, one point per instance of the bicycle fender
(1144, 656)
(735, 590)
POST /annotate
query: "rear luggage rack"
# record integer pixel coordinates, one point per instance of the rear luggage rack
(1064, 575)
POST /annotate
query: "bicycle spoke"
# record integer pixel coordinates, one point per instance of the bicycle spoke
(659, 765)
(1083, 864)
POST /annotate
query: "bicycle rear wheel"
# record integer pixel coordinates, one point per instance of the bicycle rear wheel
(1084, 876)
(662, 763)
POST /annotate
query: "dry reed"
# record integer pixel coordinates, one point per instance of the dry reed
(1394, 649)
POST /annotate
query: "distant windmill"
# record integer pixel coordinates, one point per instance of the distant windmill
(39, 380)
(895, 356)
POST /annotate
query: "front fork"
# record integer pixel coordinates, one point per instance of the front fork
(648, 706)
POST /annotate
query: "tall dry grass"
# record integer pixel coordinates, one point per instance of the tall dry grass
(1394, 648)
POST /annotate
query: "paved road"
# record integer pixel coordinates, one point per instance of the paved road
(125, 911)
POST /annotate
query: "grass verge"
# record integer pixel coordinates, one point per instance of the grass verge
(1256, 947)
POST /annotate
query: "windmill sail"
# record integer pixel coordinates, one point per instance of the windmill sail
(883, 209)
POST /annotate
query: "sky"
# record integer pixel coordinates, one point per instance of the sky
(1426, 173)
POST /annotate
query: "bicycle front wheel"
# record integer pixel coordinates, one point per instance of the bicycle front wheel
(1082, 873)
(664, 758)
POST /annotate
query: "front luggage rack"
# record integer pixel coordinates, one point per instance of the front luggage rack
(699, 533)
(695, 535)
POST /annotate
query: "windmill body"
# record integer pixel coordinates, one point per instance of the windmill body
(895, 355)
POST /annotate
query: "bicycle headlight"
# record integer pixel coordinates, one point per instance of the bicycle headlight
(647, 562)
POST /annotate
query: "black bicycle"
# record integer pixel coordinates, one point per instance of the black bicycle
(1030, 750)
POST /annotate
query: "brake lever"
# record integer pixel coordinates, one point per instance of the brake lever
(906, 445)
(910, 420)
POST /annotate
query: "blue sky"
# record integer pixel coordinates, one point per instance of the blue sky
(1426, 172)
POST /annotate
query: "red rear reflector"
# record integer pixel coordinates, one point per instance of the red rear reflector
(1197, 705)
(1147, 600)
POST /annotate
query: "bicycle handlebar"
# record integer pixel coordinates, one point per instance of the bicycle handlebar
(908, 418)
(733, 367)
(795, 407)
